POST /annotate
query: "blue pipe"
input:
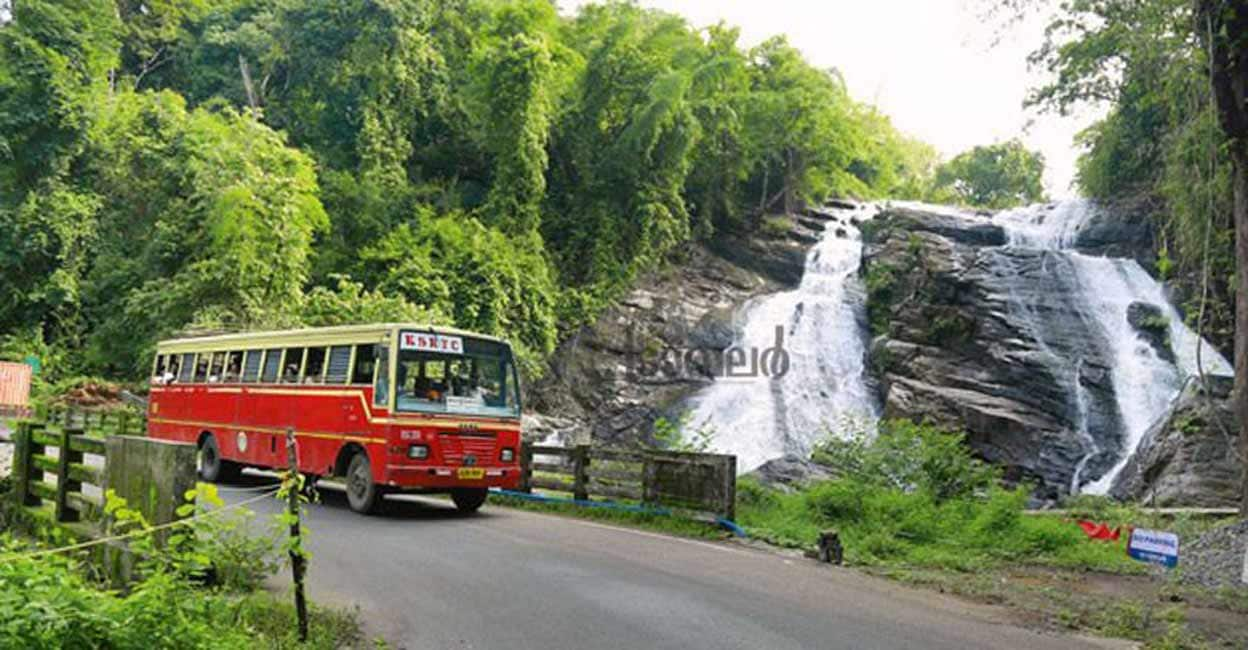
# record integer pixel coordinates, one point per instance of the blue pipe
(610, 505)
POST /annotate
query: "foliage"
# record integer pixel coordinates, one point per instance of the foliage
(676, 435)
(995, 176)
(220, 548)
(210, 165)
(48, 603)
(914, 495)
(907, 456)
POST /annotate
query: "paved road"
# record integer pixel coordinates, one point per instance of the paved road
(425, 577)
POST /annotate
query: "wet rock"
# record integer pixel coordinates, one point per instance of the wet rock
(1120, 229)
(971, 335)
(1188, 459)
(957, 229)
(789, 472)
(843, 204)
(1151, 323)
(611, 380)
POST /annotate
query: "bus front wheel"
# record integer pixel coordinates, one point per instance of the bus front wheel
(212, 467)
(468, 500)
(363, 495)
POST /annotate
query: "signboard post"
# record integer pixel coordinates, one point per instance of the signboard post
(1157, 547)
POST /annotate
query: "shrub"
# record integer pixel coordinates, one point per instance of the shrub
(914, 495)
(908, 456)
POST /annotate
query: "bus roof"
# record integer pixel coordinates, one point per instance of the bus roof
(308, 336)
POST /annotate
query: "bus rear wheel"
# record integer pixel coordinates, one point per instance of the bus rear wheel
(363, 495)
(212, 467)
(468, 500)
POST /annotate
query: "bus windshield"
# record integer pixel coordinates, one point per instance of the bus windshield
(447, 374)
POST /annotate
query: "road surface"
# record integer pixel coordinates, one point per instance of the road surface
(424, 576)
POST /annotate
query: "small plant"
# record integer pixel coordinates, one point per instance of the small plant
(220, 549)
(676, 435)
(775, 227)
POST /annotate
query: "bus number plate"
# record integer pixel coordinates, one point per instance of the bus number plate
(470, 473)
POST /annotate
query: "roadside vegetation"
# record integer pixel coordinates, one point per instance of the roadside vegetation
(200, 588)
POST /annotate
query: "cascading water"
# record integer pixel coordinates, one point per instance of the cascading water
(821, 325)
(1144, 383)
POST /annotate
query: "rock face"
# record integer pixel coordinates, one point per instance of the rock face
(1190, 457)
(1152, 326)
(973, 335)
(1121, 229)
(642, 358)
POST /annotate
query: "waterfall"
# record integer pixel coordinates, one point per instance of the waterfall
(1144, 383)
(821, 325)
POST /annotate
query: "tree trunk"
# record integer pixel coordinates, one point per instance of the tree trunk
(1225, 24)
(1241, 316)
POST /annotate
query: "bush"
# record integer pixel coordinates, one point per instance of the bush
(914, 495)
(46, 603)
(908, 456)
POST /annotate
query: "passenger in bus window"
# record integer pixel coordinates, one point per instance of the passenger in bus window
(171, 371)
(233, 366)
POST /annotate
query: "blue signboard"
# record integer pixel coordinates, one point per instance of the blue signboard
(1154, 546)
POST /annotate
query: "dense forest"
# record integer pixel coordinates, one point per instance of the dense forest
(234, 164)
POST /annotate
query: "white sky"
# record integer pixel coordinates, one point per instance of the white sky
(928, 64)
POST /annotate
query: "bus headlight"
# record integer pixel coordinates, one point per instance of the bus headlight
(420, 452)
(508, 455)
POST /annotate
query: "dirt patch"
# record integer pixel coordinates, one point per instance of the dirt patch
(1159, 610)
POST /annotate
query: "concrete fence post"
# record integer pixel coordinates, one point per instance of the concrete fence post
(151, 475)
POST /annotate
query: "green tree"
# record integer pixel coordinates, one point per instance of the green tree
(54, 63)
(207, 218)
(994, 176)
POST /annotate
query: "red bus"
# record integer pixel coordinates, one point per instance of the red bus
(451, 423)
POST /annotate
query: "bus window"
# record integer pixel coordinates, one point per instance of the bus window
(171, 370)
(339, 364)
(381, 390)
(201, 367)
(479, 381)
(217, 368)
(315, 366)
(159, 369)
(294, 364)
(364, 362)
(186, 370)
(251, 366)
(233, 367)
(272, 364)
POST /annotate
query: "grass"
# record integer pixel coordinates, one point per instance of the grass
(883, 527)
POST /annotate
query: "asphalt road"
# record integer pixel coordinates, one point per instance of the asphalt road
(424, 576)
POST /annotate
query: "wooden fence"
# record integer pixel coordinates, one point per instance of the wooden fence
(105, 423)
(690, 481)
(32, 464)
